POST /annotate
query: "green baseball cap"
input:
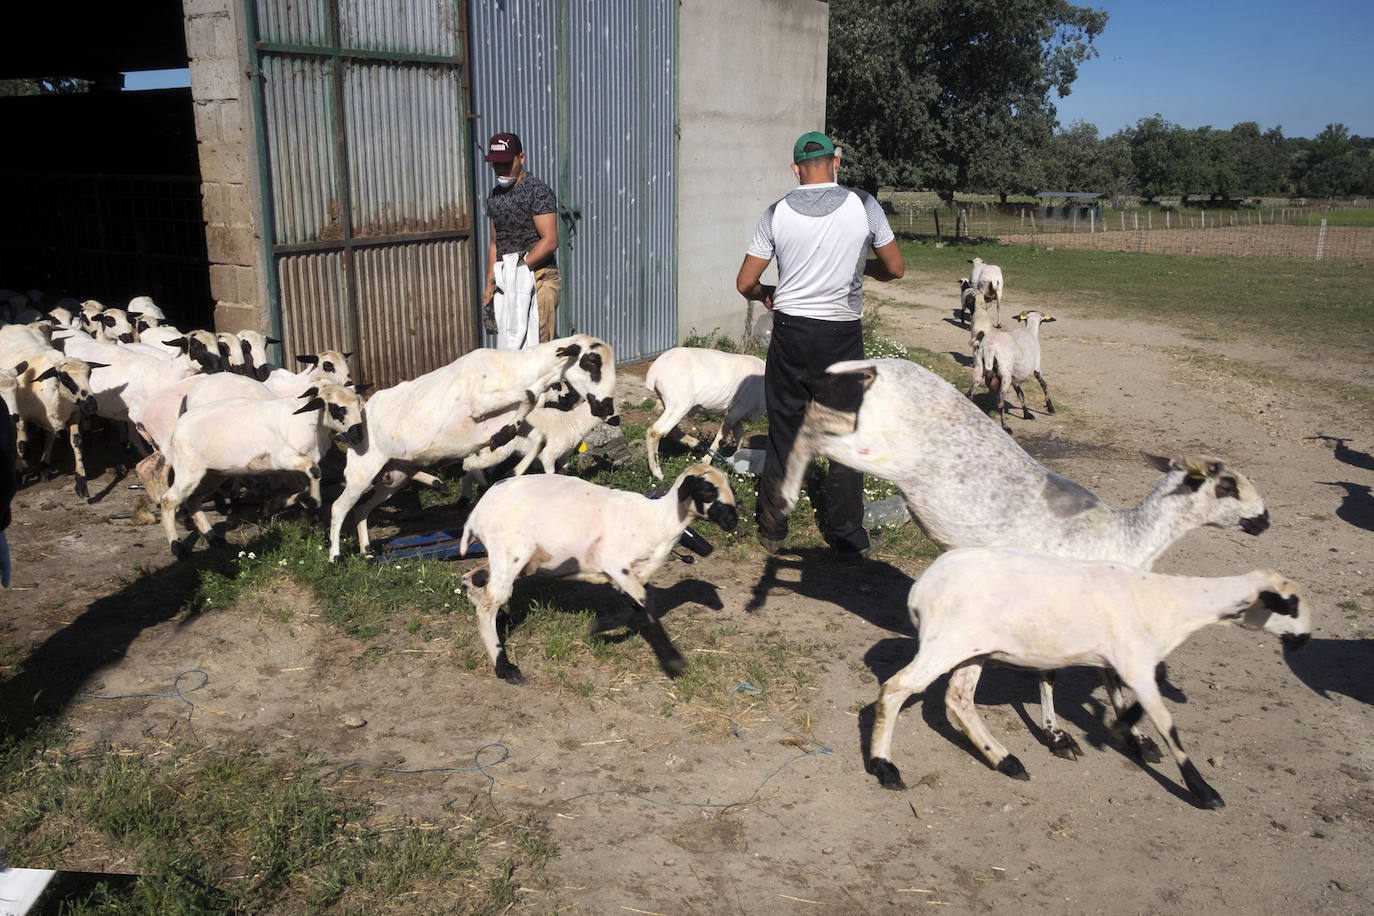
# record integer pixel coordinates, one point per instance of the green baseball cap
(800, 153)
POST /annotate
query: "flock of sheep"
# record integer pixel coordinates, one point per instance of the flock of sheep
(1039, 572)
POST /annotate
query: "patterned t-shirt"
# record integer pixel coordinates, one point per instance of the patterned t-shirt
(821, 235)
(512, 211)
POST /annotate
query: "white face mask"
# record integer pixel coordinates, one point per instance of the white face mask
(505, 181)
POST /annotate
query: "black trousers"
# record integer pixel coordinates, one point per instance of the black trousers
(798, 354)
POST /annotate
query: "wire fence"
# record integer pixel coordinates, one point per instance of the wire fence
(1289, 232)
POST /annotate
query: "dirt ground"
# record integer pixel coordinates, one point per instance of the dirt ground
(652, 816)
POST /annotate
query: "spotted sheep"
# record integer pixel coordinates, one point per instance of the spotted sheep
(697, 378)
(1043, 612)
(458, 409)
(968, 484)
(52, 391)
(546, 435)
(572, 528)
(243, 437)
(1005, 359)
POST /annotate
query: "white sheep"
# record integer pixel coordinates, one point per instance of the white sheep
(569, 527)
(987, 280)
(968, 484)
(145, 312)
(1040, 611)
(692, 378)
(327, 365)
(456, 410)
(244, 437)
(1003, 359)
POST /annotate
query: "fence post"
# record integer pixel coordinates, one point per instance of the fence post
(1166, 219)
(1321, 240)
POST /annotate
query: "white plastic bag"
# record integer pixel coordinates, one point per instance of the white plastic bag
(517, 312)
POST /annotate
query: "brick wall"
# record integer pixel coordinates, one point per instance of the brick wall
(222, 94)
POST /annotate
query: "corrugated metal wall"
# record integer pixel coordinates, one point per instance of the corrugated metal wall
(364, 111)
(590, 86)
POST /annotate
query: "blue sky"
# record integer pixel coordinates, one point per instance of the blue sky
(1217, 62)
(1300, 66)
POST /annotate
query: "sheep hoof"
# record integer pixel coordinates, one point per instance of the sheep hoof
(1012, 767)
(1061, 745)
(1028, 415)
(215, 539)
(180, 549)
(82, 491)
(1049, 408)
(1145, 749)
(1203, 794)
(889, 777)
(507, 671)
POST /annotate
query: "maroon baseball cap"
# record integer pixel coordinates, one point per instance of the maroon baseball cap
(503, 148)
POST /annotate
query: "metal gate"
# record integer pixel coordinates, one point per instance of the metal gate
(363, 109)
(590, 86)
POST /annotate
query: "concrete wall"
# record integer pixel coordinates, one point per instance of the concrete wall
(230, 188)
(751, 79)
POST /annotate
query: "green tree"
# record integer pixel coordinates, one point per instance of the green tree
(1167, 159)
(1261, 159)
(1075, 159)
(954, 96)
(45, 85)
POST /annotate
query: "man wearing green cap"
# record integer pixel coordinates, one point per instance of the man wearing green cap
(820, 234)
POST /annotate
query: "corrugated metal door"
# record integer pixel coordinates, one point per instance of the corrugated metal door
(590, 86)
(364, 107)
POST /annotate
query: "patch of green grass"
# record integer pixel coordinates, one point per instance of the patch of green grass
(1224, 297)
(237, 832)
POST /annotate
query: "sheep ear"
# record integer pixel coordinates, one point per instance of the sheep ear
(97, 365)
(178, 342)
(51, 373)
(571, 350)
(309, 392)
(1287, 605)
(312, 404)
(347, 355)
(362, 387)
(1159, 462)
(1045, 318)
(21, 368)
(272, 341)
(310, 359)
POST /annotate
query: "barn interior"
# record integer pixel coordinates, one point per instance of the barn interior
(101, 187)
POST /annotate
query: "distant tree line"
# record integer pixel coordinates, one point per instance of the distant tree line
(956, 96)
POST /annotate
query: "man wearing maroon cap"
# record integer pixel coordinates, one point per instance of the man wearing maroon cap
(523, 216)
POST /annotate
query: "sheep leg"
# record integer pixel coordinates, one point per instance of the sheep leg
(78, 459)
(488, 600)
(1049, 405)
(382, 490)
(666, 423)
(963, 714)
(1025, 411)
(1053, 736)
(183, 485)
(1142, 746)
(359, 473)
(912, 679)
(532, 449)
(1148, 698)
